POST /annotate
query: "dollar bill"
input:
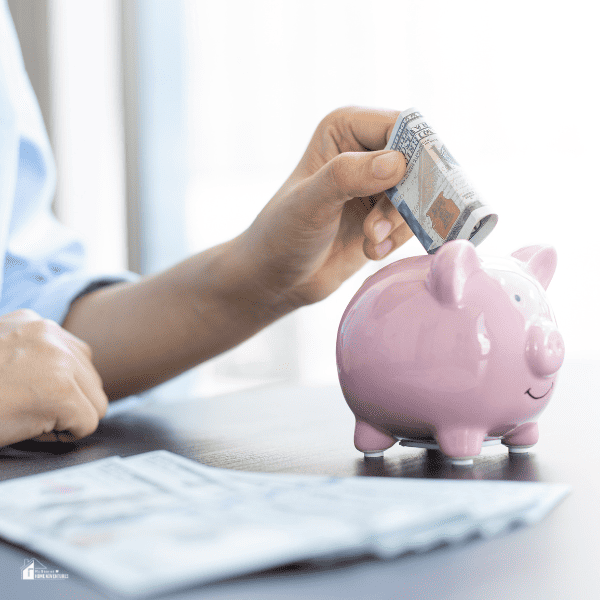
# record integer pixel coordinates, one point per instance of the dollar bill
(435, 198)
(152, 523)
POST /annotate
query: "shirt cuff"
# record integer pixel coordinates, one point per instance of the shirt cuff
(57, 296)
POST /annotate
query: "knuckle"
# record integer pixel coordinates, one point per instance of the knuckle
(395, 218)
(88, 425)
(86, 348)
(25, 313)
(336, 121)
(40, 327)
(49, 325)
(61, 385)
(35, 328)
(339, 171)
(342, 112)
(96, 379)
(78, 342)
(329, 118)
(47, 426)
(57, 358)
(79, 417)
(336, 170)
(104, 407)
(375, 214)
(345, 174)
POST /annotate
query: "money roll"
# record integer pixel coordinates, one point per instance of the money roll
(434, 197)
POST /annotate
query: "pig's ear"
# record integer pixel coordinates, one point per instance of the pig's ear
(450, 269)
(540, 261)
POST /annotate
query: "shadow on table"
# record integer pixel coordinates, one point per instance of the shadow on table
(122, 435)
(432, 464)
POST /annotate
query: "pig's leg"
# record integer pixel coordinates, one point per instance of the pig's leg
(460, 445)
(522, 438)
(371, 441)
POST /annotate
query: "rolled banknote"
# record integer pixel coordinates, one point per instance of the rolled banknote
(435, 198)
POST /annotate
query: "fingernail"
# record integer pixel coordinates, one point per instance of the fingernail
(381, 230)
(382, 249)
(385, 165)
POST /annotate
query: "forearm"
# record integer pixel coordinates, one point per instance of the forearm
(314, 233)
(145, 333)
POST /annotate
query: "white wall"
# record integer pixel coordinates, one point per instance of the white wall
(511, 87)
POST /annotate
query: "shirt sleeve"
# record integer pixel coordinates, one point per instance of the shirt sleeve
(54, 299)
(49, 289)
(45, 266)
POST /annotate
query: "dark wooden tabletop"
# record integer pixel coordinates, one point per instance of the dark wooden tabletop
(293, 429)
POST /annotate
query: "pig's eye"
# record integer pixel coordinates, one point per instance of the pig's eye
(517, 298)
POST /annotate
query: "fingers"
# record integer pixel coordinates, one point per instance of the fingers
(384, 228)
(78, 416)
(85, 374)
(91, 385)
(369, 127)
(336, 167)
(354, 174)
(74, 413)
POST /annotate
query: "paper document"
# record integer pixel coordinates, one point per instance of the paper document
(157, 521)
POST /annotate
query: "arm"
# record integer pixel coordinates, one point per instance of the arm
(325, 222)
(147, 332)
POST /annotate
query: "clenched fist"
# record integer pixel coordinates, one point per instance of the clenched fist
(47, 382)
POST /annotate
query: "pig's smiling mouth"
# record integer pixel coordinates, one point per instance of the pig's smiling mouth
(528, 392)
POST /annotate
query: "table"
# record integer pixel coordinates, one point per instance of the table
(309, 430)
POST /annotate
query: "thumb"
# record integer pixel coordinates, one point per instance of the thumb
(357, 174)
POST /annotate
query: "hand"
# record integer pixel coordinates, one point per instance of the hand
(331, 215)
(47, 382)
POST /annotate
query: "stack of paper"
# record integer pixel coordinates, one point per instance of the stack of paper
(156, 521)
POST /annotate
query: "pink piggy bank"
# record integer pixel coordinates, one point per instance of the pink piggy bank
(451, 351)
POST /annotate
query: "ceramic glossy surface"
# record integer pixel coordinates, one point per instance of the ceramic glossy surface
(452, 348)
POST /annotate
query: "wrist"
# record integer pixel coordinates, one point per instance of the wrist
(248, 285)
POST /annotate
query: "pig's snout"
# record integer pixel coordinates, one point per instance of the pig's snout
(545, 349)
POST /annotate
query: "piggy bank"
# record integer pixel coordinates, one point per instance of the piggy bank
(451, 351)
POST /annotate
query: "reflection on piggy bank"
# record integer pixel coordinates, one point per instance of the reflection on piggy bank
(451, 351)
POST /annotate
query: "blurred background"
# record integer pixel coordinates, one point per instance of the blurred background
(174, 121)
